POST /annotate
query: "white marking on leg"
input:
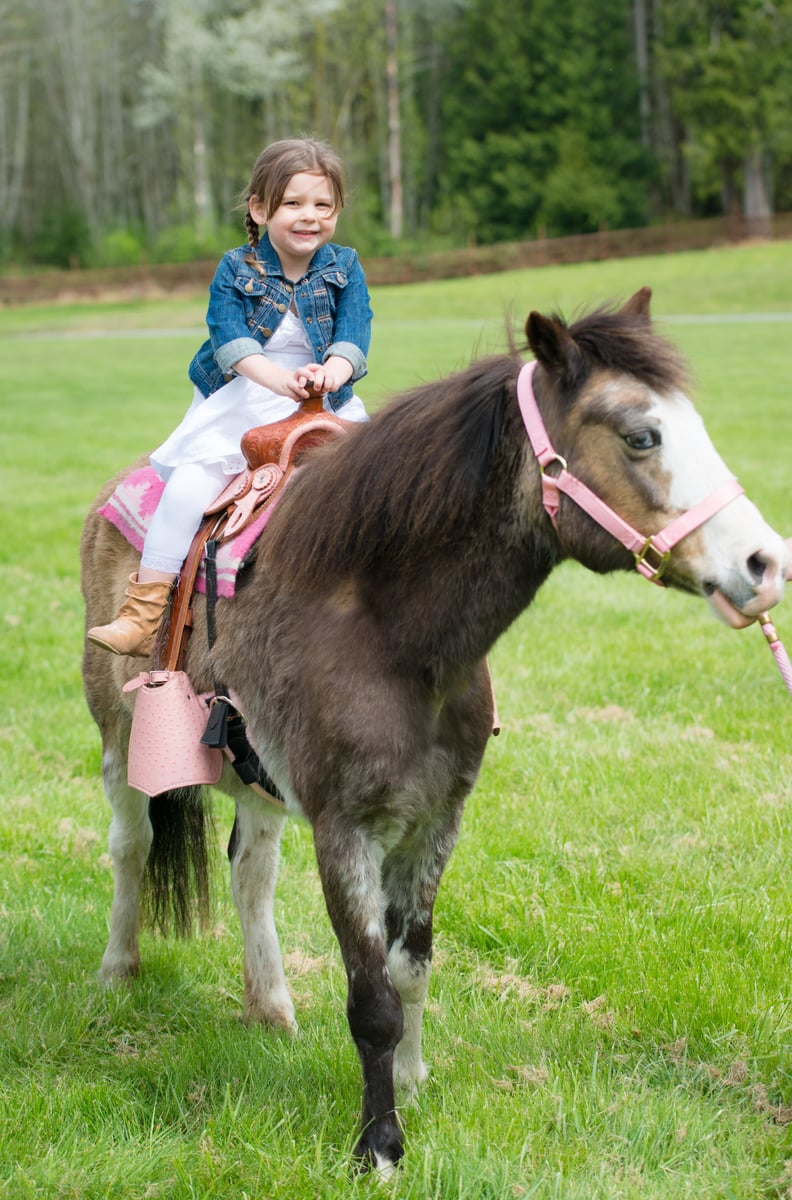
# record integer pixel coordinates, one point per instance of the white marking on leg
(254, 873)
(384, 1168)
(411, 980)
(129, 842)
(362, 887)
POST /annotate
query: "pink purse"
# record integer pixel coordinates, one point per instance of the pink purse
(165, 750)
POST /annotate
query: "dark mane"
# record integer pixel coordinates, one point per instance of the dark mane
(623, 341)
(416, 471)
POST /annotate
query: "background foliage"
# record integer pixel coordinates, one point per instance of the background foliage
(127, 127)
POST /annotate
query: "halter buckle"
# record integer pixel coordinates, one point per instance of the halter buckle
(548, 462)
(651, 570)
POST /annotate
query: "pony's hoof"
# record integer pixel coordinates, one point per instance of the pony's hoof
(276, 1016)
(113, 973)
(408, 1085)
(380, 1156)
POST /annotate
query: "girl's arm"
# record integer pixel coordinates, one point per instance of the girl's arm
(351, 327)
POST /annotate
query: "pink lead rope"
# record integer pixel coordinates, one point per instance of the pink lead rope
(651, 553)
(779, 653)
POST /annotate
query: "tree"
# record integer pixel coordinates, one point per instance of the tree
(542, 119)
(726, 66)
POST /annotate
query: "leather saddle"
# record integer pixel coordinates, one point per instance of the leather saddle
(272, 452)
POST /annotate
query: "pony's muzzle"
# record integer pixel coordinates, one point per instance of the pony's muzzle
(754, 590)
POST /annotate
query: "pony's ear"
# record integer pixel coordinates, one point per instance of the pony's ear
(638, 305)
(554, 346)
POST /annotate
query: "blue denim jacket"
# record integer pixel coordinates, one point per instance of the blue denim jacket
(249, 296)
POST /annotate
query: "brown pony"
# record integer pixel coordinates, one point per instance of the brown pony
(356, 646)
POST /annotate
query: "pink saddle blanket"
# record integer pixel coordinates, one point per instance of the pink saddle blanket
(131, 507)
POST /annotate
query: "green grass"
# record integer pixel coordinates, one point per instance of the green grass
(610, 1011)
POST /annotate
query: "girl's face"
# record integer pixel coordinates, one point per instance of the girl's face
(304, 220)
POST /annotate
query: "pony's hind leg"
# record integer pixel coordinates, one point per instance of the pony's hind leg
(254, 851)
(129, 843)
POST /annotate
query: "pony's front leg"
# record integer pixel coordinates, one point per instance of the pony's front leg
(409, 966)
(411, 877)
(254, 852)
(349, 865)
(129, 842)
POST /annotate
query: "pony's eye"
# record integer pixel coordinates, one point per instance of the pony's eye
(643, 439)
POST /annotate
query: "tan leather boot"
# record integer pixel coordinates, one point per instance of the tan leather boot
(140, 616)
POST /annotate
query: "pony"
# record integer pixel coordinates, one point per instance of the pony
(356, 646)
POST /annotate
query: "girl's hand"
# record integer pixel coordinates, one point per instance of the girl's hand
(293, 384)
(330, 375)
(270, 375)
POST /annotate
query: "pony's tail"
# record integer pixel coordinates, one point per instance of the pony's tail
(176, 883)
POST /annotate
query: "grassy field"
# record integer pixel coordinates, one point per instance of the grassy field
(610, 1010)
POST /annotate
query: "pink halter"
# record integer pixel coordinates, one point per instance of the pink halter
(651, 553)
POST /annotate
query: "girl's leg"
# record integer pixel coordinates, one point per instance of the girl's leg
(187, 494)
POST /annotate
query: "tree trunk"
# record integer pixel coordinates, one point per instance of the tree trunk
(642, 62)
(394, 120)
(201, 189)
(14, 127)
(756, 199)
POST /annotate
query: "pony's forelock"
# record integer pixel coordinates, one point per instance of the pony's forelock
(611, 338)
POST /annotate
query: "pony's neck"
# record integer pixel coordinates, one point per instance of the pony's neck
(445, 612)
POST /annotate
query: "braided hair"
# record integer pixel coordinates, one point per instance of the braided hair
(276, 165)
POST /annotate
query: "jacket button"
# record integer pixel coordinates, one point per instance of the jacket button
(282, 307)
(267, 332)
(309, 320)
(249, 285)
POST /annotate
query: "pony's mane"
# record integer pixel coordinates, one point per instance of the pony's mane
(414, 473)
(625, 341)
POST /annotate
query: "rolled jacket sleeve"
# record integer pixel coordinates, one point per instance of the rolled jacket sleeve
(231, 352)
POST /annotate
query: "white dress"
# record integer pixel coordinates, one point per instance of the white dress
(212, 427)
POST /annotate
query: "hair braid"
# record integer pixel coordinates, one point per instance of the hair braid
(253, 230)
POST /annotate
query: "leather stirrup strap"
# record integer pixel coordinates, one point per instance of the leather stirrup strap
(181, 609)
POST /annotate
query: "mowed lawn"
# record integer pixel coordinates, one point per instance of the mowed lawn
(610, 1011)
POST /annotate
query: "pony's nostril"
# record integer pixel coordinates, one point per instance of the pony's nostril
(757, 565)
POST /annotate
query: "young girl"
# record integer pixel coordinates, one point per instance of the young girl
(287, 310)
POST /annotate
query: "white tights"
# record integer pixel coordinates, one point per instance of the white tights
(189, 490)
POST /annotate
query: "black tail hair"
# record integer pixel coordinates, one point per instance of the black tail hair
(176, 885)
